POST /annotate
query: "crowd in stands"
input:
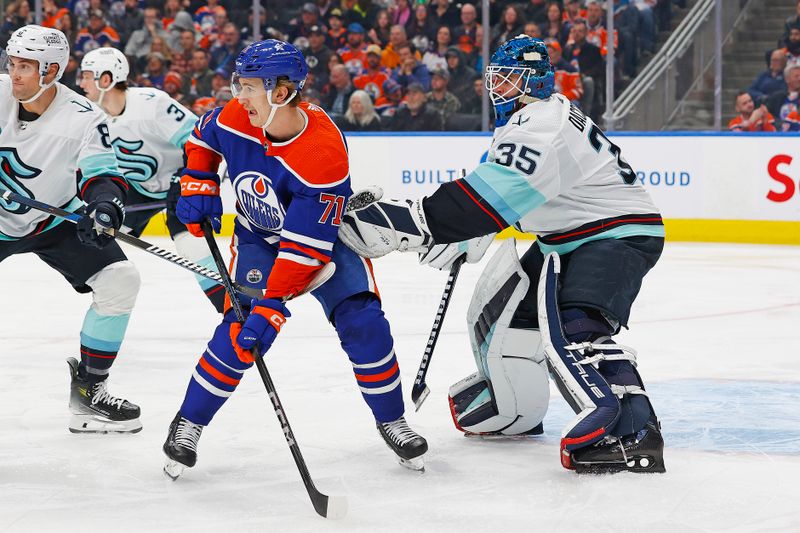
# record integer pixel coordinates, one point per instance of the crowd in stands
(772, 102)
(397, 65)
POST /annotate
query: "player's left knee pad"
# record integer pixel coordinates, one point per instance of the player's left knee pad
(509, 394)
(114, 288)
(595, 376)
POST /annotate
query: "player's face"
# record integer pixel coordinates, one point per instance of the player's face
(506, 85)
(24, 77)
(253, 97)
(89, 86)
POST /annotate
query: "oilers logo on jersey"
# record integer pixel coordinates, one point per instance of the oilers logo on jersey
(137, 167)
(12, 170)
(258, 201)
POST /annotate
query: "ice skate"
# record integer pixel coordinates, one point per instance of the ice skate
(641, 452)
(181, 446)
(95, 410)
(407, 444)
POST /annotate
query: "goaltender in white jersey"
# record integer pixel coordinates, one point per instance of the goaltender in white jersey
(147, 129)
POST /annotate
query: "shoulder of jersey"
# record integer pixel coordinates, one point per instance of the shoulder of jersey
(78, 106)
(318, 157)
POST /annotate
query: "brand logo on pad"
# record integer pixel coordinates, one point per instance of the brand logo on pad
(258, 201)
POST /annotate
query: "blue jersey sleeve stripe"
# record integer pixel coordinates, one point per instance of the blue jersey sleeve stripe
(509, 194)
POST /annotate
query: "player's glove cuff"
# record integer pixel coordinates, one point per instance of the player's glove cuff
(199, 183)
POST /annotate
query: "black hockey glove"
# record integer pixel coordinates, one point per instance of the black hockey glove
(98, 216)
(173, 194)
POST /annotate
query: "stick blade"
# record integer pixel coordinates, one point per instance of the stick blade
(419, 394)
(337, 507)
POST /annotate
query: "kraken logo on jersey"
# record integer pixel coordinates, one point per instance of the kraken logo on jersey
(258, 200)
(12, 170)
(137, 168)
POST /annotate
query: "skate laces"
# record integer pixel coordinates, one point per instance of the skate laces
(100, 394)
(399, 431)
(187, 434)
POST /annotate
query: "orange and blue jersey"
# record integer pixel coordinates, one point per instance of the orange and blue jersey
(290, 194)
(372, 82)
(86, 41)
(355, 59)
(768, 124)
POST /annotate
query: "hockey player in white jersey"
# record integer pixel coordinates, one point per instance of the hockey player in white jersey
(552, 172)
(147, 129)
(54, 147)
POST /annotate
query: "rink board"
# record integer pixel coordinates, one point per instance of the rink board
(709, 187)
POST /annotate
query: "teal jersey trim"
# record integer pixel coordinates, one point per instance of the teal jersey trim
(179, 138)
(72, 206)
(104, 164)
(204, 282)
(631, 230)
(509, 193)
(104, 332)
(160, 195)
(481, 398)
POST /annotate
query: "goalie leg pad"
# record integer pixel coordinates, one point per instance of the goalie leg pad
(509, 394)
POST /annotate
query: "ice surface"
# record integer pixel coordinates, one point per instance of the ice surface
(718, 334)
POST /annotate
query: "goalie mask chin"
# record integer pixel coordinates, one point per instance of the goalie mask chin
(509, 393)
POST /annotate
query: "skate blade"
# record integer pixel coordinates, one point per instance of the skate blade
(638, 465)
(417, 464)
(173, 469)
(97, 424)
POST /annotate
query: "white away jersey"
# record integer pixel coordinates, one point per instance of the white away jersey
(551, 171)
(148, 138)
(49, 158)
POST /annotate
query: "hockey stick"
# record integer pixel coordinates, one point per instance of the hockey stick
(326, 506)
(130, 239)
(420, 389)
(145, 207)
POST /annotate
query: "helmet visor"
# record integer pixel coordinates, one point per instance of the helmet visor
(242, 87)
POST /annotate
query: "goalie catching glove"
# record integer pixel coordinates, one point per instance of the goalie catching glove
(372, 227)
(444, 256)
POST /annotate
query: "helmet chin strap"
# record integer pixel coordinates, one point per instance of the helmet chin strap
(42, 88)
(102, 91)
(274, 107)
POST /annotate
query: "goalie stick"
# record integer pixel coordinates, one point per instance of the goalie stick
(326, 506)
(172, 257)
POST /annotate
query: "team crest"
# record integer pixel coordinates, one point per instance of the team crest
(12, 170)
(258, 201)
(254, 275)
(137, 167)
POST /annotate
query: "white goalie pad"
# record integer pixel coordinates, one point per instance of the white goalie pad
(510, 392)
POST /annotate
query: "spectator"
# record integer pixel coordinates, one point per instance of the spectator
(584, 55)
(435, 57)
(440, 99)
(309, 16)
(318, 53)
(626, 22)
(173, 84)
(510, 26)
(381, 30)
(181, 22)
(142, 39)
(204, 105)
(443, 13)
(397, 37)
(532, 29)
(771, 80)
(791, 22)
(130, 20)
(66, 23)
(471, 103)
(388, 104)
(336, 95)
(573, 11)
(353, 11)
(596, 32)
(198, 82)
(171, 10)
(646, 34)
(53, 15)
(223, 55)
(750, 118)
(782, 103)
(536, 11)
(400, 12)
(421, 24)
(461, 75)
(360, 114)
(410, 70)
(416, 116)
(312, 96)
(568, 79)
(219, 81)
(464, 36)
(95, 35)
(182, 55)
(83, 8)
(792, 45)
(555, 28)
(374, 75)
(212, 35)
(206, 17)
(354, 54)
(337, 33)
(155, 72)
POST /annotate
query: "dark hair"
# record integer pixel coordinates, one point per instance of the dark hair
(738, 94)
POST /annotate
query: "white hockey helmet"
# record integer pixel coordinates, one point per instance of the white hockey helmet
(48, 46)
(106, 59)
